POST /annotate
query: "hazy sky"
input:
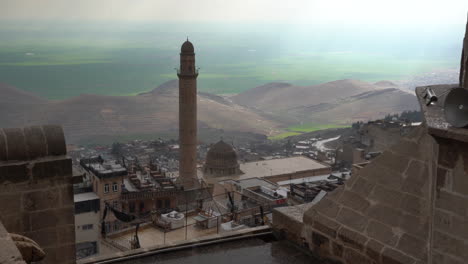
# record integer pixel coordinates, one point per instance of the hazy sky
(272, 11)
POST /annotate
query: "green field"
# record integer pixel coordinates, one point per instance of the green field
(61, 62)
(284, 135)
(304, 128)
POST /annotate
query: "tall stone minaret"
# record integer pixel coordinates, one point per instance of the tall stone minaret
(187, 116)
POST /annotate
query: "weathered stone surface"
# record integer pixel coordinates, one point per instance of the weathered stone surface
(52, 168)
(447, 153)
(328, 207)
(35, 142)
(386, 196)
(41, 200)
(66, 195)
(373, 250)
(413, 204)
(415, 247)
(50, 218)
(45, 237)
(353, 257)
(352, 239)
(450, 245)
(55, 140)
(337, 250)
(416, 179)
(9, 203)
(16, 144)
(439, 258)
(452, 202)
(321, 244)
(354, 201)
(441, 178)
(415, 225)
(14, 173)
(3, 146)
(363, 187)
(325, 225)
(460, 179)
(391, 160)
(391, 256)
(382, 233)
(352, 219)
(385, 214)
(66, 233)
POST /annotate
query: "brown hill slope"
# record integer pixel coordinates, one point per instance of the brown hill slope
(280, 96)
(365, 106)
(337, 102)
(157, 111)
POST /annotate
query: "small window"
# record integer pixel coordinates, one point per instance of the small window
(106, 188)
(167, 203)
(116, 225)
(131, 207)
(87, 227)
(115, 187)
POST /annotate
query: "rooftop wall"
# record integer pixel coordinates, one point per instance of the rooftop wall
(36, 190)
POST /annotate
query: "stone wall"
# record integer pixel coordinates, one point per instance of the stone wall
(450, 228)
(382, 214)
(36, 190)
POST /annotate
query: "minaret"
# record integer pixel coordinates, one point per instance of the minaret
(187, 116)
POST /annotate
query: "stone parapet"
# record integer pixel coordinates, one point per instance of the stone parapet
(36, 189)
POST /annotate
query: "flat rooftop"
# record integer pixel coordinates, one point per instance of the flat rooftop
(266, 168)
(85, 197)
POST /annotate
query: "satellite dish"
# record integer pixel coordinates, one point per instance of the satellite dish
(456, 107)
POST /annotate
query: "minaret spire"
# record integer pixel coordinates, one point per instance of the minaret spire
(187, 116)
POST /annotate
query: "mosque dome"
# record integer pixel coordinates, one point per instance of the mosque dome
(187, 47)
(221, 160)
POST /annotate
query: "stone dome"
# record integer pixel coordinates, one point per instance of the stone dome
(221, 160)
(187, 47)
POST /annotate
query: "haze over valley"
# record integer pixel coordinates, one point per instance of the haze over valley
(111, 72)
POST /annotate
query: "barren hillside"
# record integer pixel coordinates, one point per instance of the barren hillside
(337, 102)
(156, 111)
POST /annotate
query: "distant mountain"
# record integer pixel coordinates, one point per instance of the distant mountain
(96, 115)
(337, 102)
(385, 84)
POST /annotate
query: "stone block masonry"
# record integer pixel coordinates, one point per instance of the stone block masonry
(36, 189)
(381, 215)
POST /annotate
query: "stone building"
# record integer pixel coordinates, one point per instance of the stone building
(107, 178)
(408, 206)
(87, 223)
(36, 191)
(221, 160)
(274, 170)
